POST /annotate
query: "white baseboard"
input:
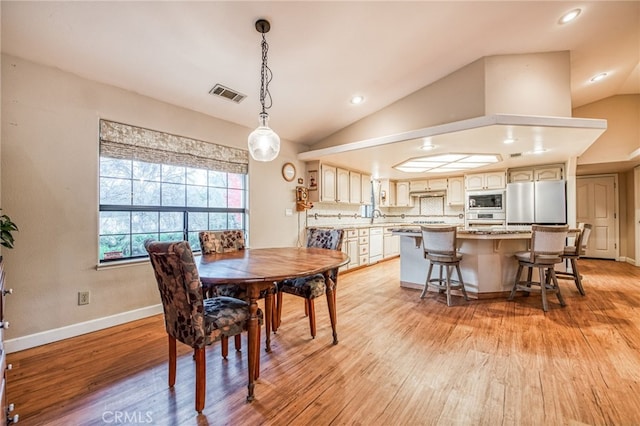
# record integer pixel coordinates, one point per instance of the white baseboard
(631, 261)
(49, 336)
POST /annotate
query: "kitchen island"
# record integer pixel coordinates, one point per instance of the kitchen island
(488, 264)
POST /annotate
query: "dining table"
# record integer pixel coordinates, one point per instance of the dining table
(259, 268)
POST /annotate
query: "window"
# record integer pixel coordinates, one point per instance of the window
(153, 195)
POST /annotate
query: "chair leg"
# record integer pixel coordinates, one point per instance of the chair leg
(274, 309)
(515, 284)
(312, 316)
(172, 361)
(464, 291)
(237, 340)
(556, 286)
(577, 277)
(278, 311)
(543, 289)
(268, 319)
(224, 346)
(426, 283)
(257, 369)
(529, 278)
(448, 284)
(201, 378)
(306, 310)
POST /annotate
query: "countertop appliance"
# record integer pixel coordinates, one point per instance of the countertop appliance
(542, 202)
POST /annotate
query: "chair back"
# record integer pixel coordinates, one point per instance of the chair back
(221, 241)
(584, 238)
(548, 241)
(180, 290)
(325, 238)
(439, 240)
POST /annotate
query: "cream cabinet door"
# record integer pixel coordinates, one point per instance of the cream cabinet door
(495, 180)
(403, 199)
(437, 184)
(474, 182)
(328, 183)
(342, 185)
(521, 176)
(367, 188)
(355, 188)
(550, 173)
(455, 191)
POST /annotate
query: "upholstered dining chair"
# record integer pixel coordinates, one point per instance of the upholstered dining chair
(573, 252)
(188, 316)
(439, 247)
(547, 248)
(311, 286)
(225, 242)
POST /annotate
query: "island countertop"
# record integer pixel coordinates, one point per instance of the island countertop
(466, 234)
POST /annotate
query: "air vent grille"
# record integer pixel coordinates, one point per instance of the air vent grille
(226, 93)
(517, 154)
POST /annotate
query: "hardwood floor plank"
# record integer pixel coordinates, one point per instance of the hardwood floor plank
(400, 360)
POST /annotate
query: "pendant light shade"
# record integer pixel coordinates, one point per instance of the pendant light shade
(264, 143)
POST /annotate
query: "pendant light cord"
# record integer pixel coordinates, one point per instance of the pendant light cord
(265, 78)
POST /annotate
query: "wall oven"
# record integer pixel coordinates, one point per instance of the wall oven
(485, 209)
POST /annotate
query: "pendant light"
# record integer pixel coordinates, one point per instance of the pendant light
(264, 143)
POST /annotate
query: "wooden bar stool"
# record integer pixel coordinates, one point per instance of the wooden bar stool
(573, 253)
(439, 245)
(547, 248)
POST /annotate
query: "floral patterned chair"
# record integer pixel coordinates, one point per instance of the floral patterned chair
(225, 242)
(311, 286)
(189, 317)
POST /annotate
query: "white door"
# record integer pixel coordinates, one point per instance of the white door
(596, 205)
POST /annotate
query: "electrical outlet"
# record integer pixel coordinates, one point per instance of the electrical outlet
(83, 298)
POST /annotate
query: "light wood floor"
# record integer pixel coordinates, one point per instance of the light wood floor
(400, 361)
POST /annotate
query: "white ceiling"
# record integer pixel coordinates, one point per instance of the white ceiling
(321, 53)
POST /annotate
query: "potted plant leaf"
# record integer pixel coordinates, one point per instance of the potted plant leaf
(7, 227)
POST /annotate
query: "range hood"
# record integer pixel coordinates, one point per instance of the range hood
(561, 138)
(428, 194)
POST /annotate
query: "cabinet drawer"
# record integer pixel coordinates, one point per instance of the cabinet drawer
(364, 260)
(363, 240)
(363, 232)
(364, 249)
(351, 233)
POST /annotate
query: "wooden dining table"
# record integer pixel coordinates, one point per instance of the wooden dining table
(257, 269)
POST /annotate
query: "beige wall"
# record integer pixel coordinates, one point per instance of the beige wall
(49, 183)
(622, 137)
(533, 84)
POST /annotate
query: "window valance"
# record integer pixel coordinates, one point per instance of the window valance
(124, 141)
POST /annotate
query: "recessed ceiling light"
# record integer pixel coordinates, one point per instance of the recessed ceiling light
(428, 147)
(357, 100)
(569, 16)
(509, 140)
(447, 162)
(598, 77)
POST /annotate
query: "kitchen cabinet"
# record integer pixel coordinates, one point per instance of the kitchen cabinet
(366, 186)
(455, 191)
(350, 248)
(428, 185)
(387, 193)
(548, 173)
(355, 188)
(322, 185)
(391, 244)
(342, 185)
(535, 174)
(363, 246)
(403, 199)
(489, 180)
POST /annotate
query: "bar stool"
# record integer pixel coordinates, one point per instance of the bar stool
(547, 248)
(439, 245)
(573, 253)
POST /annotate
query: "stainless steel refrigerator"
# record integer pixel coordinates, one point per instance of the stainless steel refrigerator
(542, 202)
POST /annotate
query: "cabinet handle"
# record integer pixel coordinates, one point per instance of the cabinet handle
(9, 366)
(4, 324)
(8, 291)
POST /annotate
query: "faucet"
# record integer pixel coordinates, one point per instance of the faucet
(373, 214)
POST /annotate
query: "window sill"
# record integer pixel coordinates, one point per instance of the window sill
(121, 264)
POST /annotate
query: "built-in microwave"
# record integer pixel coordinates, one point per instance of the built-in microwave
(482, 201)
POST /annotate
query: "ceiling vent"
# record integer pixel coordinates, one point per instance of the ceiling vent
(225, 92)
(517, 154)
